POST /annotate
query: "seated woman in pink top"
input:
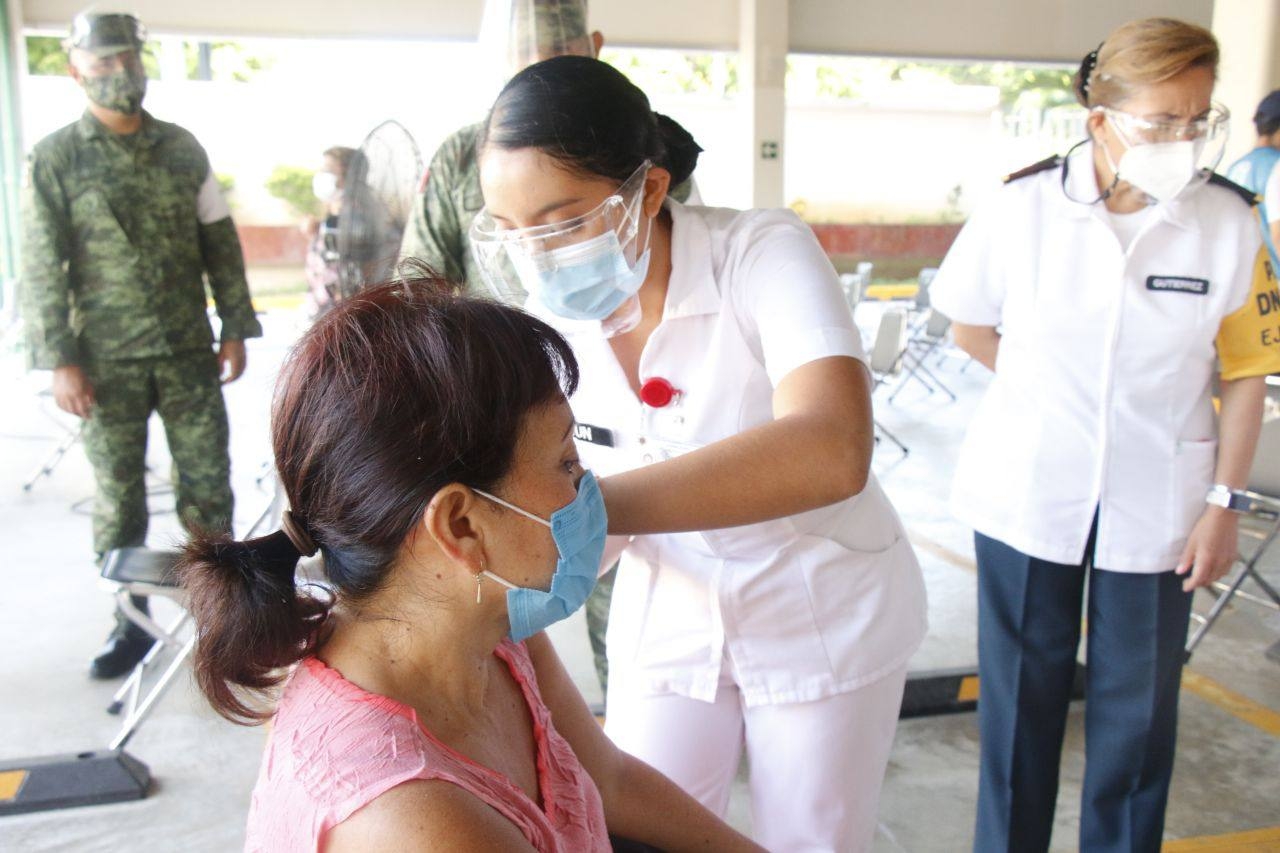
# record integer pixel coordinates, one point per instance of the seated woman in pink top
(426, 449)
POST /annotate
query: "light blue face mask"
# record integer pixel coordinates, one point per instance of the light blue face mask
(586, 281)
(579, 531)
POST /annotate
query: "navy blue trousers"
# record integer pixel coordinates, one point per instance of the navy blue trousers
(1029, 613)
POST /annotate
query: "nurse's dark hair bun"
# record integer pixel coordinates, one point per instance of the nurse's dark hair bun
(587, 115)
(682, 149)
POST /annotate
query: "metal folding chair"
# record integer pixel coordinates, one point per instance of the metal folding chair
(923, 280)
(68, 438)
(854, 284)
(851, 284)
(1264, 496)
(924, 341)
(144, 572)
(886, 360)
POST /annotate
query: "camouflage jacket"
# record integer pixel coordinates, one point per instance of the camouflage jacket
(449, 201)
(118, 234)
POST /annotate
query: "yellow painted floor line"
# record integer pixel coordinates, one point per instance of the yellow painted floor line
(11, 783)
(942, 552)
(1239, 706)
(1254, 841)
(1235, 704)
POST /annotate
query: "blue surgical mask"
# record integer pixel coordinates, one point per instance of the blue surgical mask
(586, 281)
(579, 530)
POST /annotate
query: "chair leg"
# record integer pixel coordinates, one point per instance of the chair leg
(880, 429)
(130, 688)
(51, 461)
(937, 382)
(1213, 614)
(134, 720)
(1247, 570)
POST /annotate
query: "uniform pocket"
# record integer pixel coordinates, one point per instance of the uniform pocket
(869, 606)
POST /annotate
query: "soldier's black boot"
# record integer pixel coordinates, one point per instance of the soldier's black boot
(125, 646)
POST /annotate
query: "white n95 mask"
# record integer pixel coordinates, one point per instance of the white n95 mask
(1160, 169)
(324, 185)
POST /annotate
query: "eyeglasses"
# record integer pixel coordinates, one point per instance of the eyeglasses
(1136, 130)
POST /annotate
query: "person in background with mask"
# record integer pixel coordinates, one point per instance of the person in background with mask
(123, 219)
(321, 264)
(1108, 290)
(426, 449)
(767, 597)
(1257, 170)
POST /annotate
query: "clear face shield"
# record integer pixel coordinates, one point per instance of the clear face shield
(584, 272)
(1165, 158)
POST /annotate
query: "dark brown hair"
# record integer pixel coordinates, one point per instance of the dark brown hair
(587, 115)
(397, 392)
(343, 156)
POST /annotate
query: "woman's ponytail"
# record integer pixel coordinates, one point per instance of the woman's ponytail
(251, 620)
(681, 150)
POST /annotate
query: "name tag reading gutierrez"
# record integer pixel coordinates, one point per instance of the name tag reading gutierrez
(1178, 284)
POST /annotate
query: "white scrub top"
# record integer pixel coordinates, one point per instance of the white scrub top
(802, 607)
(1101, 397)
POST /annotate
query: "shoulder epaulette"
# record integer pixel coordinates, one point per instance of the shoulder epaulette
(1035, 168)
(1251, 198)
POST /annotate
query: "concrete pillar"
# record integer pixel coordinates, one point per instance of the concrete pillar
(1248, 33)
(762, 76)
(13, 60)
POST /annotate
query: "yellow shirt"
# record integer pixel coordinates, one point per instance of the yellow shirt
(1249, 338)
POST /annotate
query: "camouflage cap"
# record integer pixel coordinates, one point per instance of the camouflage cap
(106, 33)
(527, 31)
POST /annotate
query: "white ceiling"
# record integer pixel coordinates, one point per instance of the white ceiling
(1049, 30)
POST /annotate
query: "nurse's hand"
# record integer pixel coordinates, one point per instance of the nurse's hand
(1211, 548)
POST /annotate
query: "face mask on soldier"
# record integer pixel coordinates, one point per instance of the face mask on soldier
(121, 90)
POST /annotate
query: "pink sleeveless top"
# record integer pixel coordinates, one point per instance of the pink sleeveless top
(335, 747)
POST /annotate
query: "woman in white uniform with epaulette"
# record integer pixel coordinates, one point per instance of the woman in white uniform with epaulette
(1107, 290)
(767, 595)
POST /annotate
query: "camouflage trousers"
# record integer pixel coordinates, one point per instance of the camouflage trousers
(598, 623)
(186, 392)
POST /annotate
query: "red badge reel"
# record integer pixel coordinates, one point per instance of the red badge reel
(658, 392)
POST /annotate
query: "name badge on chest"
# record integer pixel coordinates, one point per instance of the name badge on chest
(593, 434)
(1178, 284)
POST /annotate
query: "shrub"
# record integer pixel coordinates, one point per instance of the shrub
(292, 185)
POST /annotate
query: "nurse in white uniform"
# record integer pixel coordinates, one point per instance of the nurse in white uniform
(1107, 290)
(767, 596)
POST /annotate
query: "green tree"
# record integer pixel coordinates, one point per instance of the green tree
(46, 56)
(292, 185)
(1028, 85)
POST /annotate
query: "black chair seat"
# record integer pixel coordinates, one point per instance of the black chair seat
(141, 565)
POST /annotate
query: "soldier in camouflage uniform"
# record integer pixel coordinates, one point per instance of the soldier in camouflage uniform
(528, 31)
(123, 218)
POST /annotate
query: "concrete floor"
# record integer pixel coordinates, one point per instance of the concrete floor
(53, 615)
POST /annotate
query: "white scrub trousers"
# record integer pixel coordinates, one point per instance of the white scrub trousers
(815, 767)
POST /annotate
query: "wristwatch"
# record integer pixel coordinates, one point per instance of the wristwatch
(1229, 498)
